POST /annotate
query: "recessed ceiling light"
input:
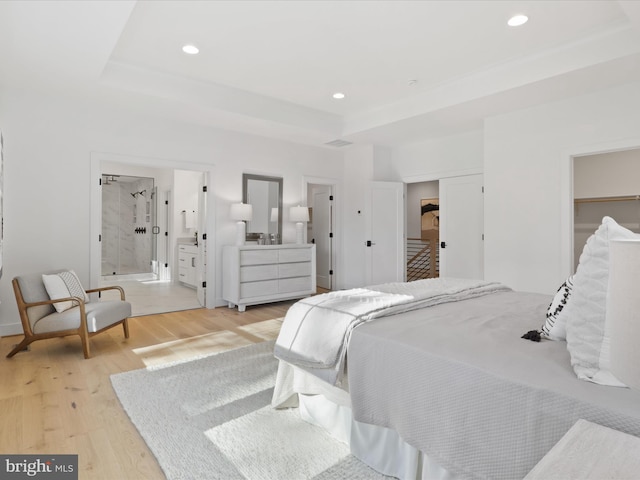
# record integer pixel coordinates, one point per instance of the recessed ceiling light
(190, 49)
(338, 95)
(517, 20)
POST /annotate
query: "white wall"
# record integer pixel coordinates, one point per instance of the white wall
(432, 159)
(48, 144)
(528, 192)
(185, 198)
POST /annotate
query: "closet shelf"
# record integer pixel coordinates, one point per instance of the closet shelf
(607, 199)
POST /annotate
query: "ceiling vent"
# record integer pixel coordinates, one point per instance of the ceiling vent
(338, 143)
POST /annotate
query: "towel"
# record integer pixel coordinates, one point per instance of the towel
(190, 219)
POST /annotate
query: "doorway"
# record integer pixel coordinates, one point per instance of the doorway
(423, 230)
(320, 232)
(156, 288)
(322, 196)
(448, 214)
(604, 184)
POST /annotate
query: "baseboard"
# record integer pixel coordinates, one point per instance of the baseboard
(11, 329)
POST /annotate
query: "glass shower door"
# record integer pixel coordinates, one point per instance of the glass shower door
(128, 209)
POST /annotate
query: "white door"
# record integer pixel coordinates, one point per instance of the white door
(201, 270)
(462, 227)
(385, 247)
(322, 234)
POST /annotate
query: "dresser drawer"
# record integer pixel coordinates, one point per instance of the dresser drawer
(192, 249)
(302, 269)
(258, 257)
(296, 284)
(258, 289)
(294, 255)
(252, 273)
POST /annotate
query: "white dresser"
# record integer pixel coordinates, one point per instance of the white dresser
(254, 274)
(187, 261)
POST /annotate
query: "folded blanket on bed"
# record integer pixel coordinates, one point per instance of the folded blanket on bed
(316, 330)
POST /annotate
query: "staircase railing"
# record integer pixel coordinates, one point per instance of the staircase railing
(422, 259)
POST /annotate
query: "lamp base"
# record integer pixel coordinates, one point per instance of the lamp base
(299, 233)
(241, 236)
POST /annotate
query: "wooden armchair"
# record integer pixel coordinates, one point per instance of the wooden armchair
(40, 320)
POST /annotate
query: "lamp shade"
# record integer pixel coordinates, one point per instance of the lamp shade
(299, 214)
(274, 214)
(241, 211)
(623, 311)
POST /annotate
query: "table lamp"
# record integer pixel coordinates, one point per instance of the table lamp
(241, 212)
(299, 215)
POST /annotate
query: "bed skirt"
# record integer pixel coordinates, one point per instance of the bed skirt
(380, 448)
(329, 407)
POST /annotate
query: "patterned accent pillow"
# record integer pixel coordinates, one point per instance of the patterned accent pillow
(555, 325)
(63, 285)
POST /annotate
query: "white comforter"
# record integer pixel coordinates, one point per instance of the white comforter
(316, 330)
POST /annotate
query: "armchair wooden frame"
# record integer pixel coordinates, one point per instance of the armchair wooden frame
(82, 330)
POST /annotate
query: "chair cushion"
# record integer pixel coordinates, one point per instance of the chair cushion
(58, 321)
(108, 312)
(99, 315)
(32, 289)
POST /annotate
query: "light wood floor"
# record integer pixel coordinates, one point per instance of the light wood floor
(53, 401)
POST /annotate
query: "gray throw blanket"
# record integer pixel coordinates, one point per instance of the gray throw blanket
(316, 330)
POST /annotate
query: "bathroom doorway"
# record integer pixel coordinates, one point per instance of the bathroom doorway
(129, 225)
(151, 292)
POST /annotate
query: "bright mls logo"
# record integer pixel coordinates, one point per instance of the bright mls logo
(49, 467)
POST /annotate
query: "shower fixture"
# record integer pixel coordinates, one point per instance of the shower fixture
(109, 179)
(136, 194)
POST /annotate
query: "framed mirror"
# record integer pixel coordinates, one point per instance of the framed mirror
(264, 194)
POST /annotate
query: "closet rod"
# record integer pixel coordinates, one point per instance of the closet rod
(607, 199)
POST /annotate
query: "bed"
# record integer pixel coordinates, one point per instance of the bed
(447, 389)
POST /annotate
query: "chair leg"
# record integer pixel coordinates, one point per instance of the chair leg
(125, 327)
(85, 345)
(21, 346)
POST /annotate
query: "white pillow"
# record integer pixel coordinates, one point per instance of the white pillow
(587, 336)
(555, 325)
(63, 285)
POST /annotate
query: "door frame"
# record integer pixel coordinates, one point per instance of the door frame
(336, 188)
(95, 202)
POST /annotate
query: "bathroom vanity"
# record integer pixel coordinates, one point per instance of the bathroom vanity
(187, 264)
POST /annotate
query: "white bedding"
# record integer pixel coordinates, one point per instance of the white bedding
(316, 330)
(456, 382)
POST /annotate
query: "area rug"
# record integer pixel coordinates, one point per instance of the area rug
(210, 418)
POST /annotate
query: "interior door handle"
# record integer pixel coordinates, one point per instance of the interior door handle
(443, 245)
(369, 243)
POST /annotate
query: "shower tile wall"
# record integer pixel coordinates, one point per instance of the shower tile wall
(141, 206)
(123, 250)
